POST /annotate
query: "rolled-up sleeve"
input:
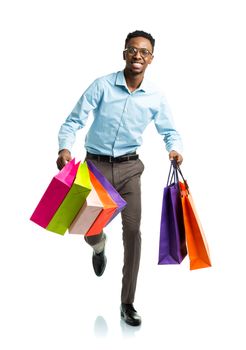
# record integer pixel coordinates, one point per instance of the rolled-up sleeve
(165, 126)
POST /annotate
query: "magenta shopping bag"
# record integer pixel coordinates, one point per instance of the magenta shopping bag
(172, 244)
(121, 203)
(54, 194)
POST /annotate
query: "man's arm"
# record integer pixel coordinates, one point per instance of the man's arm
(166, 128)
(75, 121)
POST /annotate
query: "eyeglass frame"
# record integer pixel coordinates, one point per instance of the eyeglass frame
(136, 50)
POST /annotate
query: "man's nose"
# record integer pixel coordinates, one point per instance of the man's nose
(137, 55)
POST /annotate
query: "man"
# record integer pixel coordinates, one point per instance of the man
(123, 104)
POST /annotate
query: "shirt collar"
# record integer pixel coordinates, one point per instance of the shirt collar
(121, 81)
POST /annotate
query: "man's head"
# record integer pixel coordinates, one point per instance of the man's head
(138, 53)
(140, 33)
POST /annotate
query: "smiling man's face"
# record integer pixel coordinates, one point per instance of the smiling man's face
(136, 63)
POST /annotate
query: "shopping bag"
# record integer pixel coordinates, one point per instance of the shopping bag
(121, 203)
(73, 201)
(172, 245)
(108, 210)
(55, 194)
(87, 214)
(197, 245)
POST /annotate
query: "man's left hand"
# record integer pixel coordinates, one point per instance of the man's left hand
(175, 155)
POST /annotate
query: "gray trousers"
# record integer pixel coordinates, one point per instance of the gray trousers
(125, 177)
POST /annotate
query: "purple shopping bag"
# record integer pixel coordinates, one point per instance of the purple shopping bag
(121, 203)
(172, 245)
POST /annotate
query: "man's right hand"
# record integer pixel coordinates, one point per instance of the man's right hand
(63, 158)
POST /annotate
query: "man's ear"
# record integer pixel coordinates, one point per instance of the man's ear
(151, 59)
(124, 55)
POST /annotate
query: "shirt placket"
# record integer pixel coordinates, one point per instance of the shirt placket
(124, 113)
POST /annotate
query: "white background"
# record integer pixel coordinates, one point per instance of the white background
(50, 52)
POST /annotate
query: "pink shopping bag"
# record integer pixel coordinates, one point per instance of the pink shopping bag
(54, 194)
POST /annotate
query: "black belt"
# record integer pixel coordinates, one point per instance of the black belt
(110, 159)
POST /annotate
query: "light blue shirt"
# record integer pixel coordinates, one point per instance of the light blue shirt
(120, 117)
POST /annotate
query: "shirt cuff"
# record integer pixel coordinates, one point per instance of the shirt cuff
(65, 146)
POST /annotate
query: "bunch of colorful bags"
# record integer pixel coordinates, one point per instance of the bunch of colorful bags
(181, 231)
(79, 198)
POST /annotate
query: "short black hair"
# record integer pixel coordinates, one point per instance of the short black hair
(138, 33)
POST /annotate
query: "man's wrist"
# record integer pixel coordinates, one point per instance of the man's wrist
(64, 150)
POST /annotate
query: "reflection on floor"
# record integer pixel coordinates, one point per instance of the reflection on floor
(101, 328)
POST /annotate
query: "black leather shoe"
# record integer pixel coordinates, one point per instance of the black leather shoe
(129, 315)
(99, 262)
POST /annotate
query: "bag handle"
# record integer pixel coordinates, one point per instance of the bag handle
(170, 178)
(175, 174)
(172, 175)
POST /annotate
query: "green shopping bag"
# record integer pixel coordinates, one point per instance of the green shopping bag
(73, 201)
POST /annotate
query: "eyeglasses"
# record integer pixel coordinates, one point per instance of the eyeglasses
(133, 51)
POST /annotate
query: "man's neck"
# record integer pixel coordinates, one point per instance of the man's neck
(133, 81)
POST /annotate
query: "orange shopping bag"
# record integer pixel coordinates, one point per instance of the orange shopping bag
(196, 242)
(108, 210)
